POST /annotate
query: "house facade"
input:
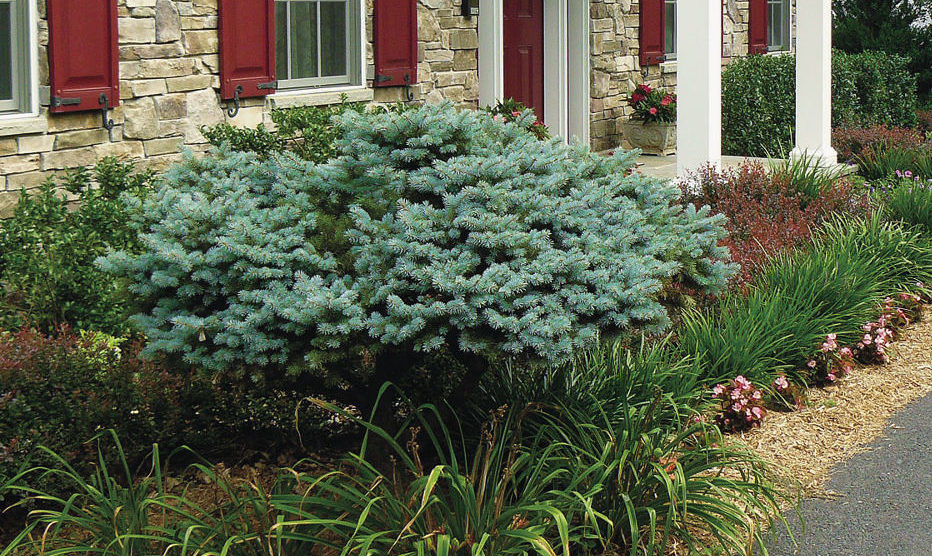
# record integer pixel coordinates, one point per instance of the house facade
(84, 79)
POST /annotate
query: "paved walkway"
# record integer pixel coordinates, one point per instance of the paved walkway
(884, 498)
(665, 166)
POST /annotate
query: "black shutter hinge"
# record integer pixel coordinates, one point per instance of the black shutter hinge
(379, 78)
(65, 101)
(269, 85)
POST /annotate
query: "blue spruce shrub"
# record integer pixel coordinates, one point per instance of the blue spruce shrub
(433, 228)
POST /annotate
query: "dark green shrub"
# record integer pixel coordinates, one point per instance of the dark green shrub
(58, 390)
(48, 247)
(759, 99)
(889, 26)
(434, 228)
(309, 132)
(909, 200)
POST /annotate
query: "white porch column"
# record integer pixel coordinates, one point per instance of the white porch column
(814, 81)
(491, 52)
(699, 84)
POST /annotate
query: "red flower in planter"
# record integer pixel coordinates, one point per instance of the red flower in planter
(637, 97)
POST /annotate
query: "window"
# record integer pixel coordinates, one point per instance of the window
(317, 42)
(14, 66)
(669, 7)
(778, 28)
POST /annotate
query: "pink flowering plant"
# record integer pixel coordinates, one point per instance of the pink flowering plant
(742, 405)
(513, 111)
(831, 363)
(786, 395)
(652, 105)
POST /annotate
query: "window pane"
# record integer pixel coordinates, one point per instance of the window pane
(6, 52)
(303, 40)
(333, 38)
(281, 40)
(670, 38)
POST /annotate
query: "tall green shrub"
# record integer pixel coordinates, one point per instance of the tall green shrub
(759, 98)
(48, 247)
(433, 228)
(307, 131)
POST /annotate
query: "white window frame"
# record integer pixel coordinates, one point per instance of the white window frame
(787, 39)
(669, 49)
(355, 51)
(22, 53)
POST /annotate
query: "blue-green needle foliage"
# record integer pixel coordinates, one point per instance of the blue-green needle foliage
(432, 227)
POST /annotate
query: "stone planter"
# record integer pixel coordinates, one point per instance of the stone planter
(652, 138)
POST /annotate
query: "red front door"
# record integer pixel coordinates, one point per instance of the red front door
(524, 53)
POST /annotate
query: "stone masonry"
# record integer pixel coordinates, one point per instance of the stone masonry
(169, 82)
(615, 62)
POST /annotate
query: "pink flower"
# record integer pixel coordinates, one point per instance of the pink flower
(667, 100)
(653, 110)
(831, 377)
(846, 352)
(516, 113)
(781, 383)
(718, 390)
(811, 364)
(758, 412)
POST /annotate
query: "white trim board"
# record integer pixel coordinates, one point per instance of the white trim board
(566, 85)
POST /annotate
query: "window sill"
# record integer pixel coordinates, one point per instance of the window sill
(668, 67)
(319, 97)
(22, 124)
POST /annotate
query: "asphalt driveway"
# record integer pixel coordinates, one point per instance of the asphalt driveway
(884, 498)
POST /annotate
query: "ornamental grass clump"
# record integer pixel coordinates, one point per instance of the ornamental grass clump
(908, 199)
(431, 229)
(836, 283)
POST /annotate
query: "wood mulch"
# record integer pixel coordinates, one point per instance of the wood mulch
(841, 420)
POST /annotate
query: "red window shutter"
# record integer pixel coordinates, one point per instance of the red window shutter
(395, 38)
(757, 27)
(84, 59)
(653, 30)
(247, 47)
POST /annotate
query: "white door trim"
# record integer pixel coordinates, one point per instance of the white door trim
(566, 85)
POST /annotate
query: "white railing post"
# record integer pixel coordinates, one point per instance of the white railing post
(698, 84)
(814, 82)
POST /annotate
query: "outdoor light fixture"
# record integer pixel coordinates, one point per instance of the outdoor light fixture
(470, 8)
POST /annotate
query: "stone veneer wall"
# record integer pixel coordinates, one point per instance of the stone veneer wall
(614, 50)
(169, 78)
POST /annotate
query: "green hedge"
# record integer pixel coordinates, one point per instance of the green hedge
(759, 98)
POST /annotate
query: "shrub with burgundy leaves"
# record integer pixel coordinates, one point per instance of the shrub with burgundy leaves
(742, 405)
(766, 214)
(854, 142)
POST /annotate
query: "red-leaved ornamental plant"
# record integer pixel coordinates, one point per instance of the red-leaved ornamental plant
(652, 105)
(742, 405)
